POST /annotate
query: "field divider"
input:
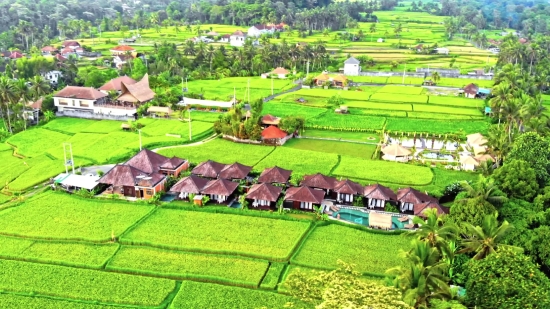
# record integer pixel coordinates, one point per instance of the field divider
(267, 155)
(335, 165)
(58, 131)
(131, 227)
(80, 301)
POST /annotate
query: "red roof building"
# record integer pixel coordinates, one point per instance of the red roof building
(122, 49)
(16, 55)
(275, 175)
(83, 93)
(274, 135)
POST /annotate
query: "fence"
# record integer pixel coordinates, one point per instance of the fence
(79, 114)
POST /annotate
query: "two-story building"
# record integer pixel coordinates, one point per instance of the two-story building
(352, 67)
(258, 30)
(237, 38)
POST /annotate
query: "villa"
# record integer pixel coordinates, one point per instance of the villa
(220, 190)
(420, 209)
(143, 175)
(122, 50)
(270, 120)
(235, 171)
(303, 198)
(346, 190)
(339, 80)
(275, 175)
(237, 39)
(279, 72)
(189, 185)
(410, 198)
(320, 181)
(377, 196)
(208, 169)
(264, 195)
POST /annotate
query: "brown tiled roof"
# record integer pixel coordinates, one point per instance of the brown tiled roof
(147, 161)
(60, 58)
(116, 83)
(226, 36)
(85, 93)
(16, 55)
(410, 195)
(273, 132)
(190, 184)
(419, 209)
(172, 163)
(340, 78)
(235, 171)
(304, 194)
(70, 43)
(347, 186)
(380, 192)
(123, 48)
(208, 169)
(36, 104)
(121, 175)
(150, 180)
(280, 70)
(275, 174)
(262, 27)
(264, 192)
(319, 181)
(138, 92)
(67, 51)
(322, 76)
(270, 119)
(471, 88)
(239, 33)
(220, 187)
(48, 49)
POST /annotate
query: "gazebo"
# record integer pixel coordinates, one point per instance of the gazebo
(396, 152)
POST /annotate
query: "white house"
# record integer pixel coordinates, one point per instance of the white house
(380, 40)
(237, 39)
(52, 76)
(73, 100)
(280, 72)
(442, 50)
(225, 38)
(258, 30)
(352, 67)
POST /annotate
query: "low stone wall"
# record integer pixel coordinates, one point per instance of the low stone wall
(78, 114)
(238, 140)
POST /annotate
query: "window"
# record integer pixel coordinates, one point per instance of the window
(305, 205)
(149, 192)
(63, 102)
(84, 104)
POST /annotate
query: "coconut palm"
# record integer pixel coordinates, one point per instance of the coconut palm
(423, 277)
(434, 232)
(485, 239)
(7, 96)
(485, 189)
(39, 87)
(436, 77)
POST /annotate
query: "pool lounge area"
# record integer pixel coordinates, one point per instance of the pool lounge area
(362, 217)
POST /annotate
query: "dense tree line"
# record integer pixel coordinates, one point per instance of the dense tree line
(528, 16)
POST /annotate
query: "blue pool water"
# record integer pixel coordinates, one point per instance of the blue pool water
(235, 205)
(362, 218)
(168, 197)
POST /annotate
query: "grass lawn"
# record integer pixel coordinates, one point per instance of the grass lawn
(373, 253)
(299, 161)
(218, 233)
(222, 151)
(350, 149)
(371, 171)
(344, 135)
(61, 216)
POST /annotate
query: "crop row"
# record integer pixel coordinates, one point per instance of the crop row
(83, 284)
(436, 126)
(373, 253)
(218, 233)
(346, 122)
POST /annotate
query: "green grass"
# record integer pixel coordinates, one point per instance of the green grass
(344, 135)
(436, 126)
(447, 110)
(206, 295)
(218, 233)
(456, 101)
(222, 151)
(333, 121)
(401, 90)
(63, 253)
(398, 97)
(185, 265)
(71, 125)
(371, 171)
(372, 253)
(33, 142)
(13, 301)
(299, 161)
(204, 116)
(83, 284)
(61, 216)
(350, 149)
(287, 109)
(382, 106)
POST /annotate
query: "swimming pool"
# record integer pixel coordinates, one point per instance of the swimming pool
(168, 197)
(362, 218)
(235, 205)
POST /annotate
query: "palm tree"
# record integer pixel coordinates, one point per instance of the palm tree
(424, 277)
(23, 97)
(502, 94)
(436, 77)
(7, 96)
(39, 87)
(485, 189)
(434, 232)
(48, 115)
(484, 240)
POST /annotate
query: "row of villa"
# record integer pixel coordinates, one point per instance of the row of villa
(146, 174)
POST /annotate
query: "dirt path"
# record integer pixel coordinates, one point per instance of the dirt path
(212, 137)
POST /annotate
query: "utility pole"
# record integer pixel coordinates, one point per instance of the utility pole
(139, 131)
(71, 161)
(307, 72)
(271, 85)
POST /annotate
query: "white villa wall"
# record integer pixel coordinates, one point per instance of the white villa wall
(351, 69)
